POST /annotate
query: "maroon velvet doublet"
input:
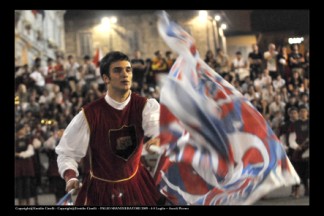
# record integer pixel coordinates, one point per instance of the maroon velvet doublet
(115, 175)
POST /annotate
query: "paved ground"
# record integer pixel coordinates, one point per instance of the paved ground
(277, 197)
(281, 197)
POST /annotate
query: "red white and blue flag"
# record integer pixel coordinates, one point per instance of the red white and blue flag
(218, 149)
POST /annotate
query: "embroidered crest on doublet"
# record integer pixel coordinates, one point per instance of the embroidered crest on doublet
(123, 141)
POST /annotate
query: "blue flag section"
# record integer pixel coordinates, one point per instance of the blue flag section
(66, 199)
(218, 149)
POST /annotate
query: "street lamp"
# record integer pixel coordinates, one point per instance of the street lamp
(107, 26)
(203, 16)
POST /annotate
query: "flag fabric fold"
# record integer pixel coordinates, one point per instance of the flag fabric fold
(218, 149)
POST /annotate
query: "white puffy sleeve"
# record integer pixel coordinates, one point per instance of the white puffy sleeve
(151, 118)
(73, 144)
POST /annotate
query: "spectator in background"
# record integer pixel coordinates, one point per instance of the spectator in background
(270, 57)
(304, 100)
(60, 72)
(24, 166)
(101, 85)
(38, 80)
(56, 183)
(286, 127)
(89, 71)
(292, 102)
(266, 78)
(255, 61)
(299, 142)
(22, 76)
(159, 67)
(139, 67)
(239, 67)
(278, 83)
(210, 59)
(72, 70)
(282, 60)
(169, 59)
(306, 70)
(296, 60)
(276, 106)
(222, 63)
(296, 82)
(251, 94)
(49, 74)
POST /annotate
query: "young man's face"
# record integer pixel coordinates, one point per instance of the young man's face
(293, 115)
(303, 114)
(120, 76)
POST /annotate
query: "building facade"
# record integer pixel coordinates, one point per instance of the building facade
(38, 33)
(135, 30)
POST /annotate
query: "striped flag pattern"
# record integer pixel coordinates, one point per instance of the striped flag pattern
(218, 149)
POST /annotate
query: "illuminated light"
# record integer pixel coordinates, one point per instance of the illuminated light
(203, 15)
(43, 121)
(49, 122)
(113, 20)
(17, 100)
(105, 25)
(224, 26)
(217, 18)
(296, 40)
(105, 21)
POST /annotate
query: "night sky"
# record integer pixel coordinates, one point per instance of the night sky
(280, 20)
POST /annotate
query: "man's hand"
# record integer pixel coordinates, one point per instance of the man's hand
(73, 183)
(152, 142)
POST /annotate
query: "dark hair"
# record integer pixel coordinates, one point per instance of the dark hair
(19, 127)
(292, 46)
(37, 60)
(293, 108)
(148, 60)
(238, 53)
(111, 57)
(86, 57)
(302, 107)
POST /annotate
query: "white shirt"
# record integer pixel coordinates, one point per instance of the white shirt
(277, 84)
(271, 59)
(38, 78)
(75, 140)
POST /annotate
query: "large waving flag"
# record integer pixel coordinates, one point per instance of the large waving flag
(218, 149)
